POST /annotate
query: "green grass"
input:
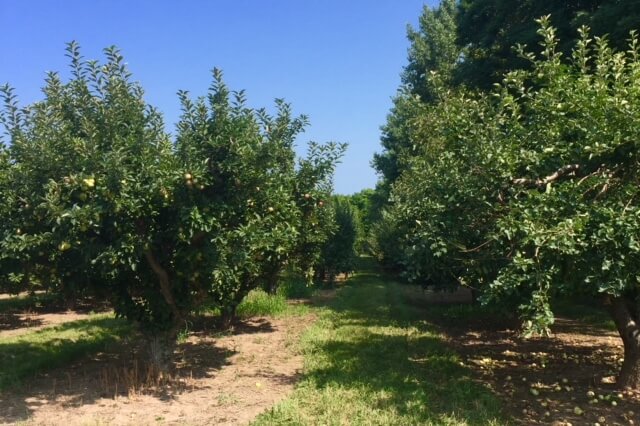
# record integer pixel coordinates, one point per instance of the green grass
(24, 355)
(371, 359)
(260, 303)
(31, 301)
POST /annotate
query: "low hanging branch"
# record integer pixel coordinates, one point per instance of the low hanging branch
(541, 183)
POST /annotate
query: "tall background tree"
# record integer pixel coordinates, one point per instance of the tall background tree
(489, 30)
(433, 50)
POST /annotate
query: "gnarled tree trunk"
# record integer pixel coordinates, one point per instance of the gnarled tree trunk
(625, 315)
(161, 345)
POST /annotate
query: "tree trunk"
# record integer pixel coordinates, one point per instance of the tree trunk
(160, 350)
(625, 316)
(272, 282)
(161, 345)
(165, 285)
(227, 316)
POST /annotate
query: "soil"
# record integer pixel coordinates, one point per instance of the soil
(230, 378)
(14, 322)
(221, 379)
(565, 379)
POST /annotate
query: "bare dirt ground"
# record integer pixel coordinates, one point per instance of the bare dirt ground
(14, 322)
(568, 378)
(220, 379)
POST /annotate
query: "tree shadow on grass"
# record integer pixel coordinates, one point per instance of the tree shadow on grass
(80, 362)
(382, 346)
(420, 379)
(14, 321)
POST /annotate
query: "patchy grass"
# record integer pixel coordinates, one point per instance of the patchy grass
(30, 353)
(372, 359)
(29, 301)
(585, 312)
(260, 303)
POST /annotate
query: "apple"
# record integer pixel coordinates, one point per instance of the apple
(188, 176)
(89, 182)
(19, 231)
(307, 196)
(270, 209)
(64, 246)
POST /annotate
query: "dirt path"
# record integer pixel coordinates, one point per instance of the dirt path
(220, 380)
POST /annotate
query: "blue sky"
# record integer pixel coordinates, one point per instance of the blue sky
(338, 61)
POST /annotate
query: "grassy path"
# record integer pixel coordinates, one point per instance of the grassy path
(371, 360)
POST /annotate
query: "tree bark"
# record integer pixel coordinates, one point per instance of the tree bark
(540, 183)
(625, 316)
(161, 345)
(272, 281)
(165, 285)
(227, 316)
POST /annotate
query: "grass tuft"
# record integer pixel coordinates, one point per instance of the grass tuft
(260, 303)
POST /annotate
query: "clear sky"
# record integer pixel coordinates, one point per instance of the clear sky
(338, 61)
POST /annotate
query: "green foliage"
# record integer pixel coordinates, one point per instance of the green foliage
(364, 202)
(531, 190)
(433, 57)
(260, 303)
(490, 28)
(339, 251)
(100, 199)
(294, 286)
(313, 191)
(432, 49)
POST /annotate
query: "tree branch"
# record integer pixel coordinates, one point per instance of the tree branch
(165, 284)
(562, 171)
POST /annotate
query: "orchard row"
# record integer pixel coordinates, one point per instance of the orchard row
(97, 198)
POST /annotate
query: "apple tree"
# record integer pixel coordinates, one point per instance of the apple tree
(98, 198)
(531, 190)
